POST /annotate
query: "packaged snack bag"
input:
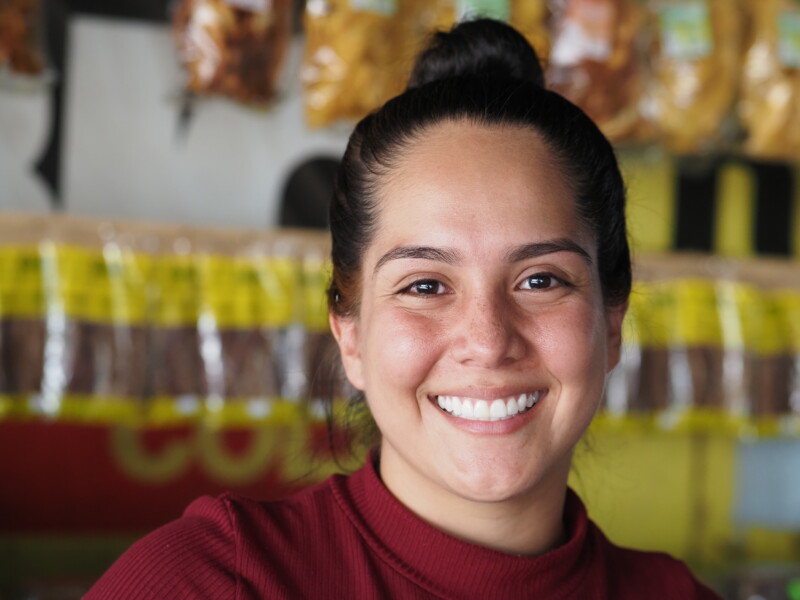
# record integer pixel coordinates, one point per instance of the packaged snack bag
(20, 37)
(769, 106)
(594, 61)
(233, 48)
(351, 65)
(695, 64)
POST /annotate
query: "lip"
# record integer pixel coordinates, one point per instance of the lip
(502, 427)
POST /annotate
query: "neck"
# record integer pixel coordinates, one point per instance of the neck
(527, 524)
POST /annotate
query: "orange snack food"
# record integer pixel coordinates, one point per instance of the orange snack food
(769, 106)
(233, 48)
(19, 31)
(594, 61)
(695, 67)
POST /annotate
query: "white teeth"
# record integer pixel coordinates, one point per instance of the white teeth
(481, 410)
(498, 410)
(512, 407)
(466, 409)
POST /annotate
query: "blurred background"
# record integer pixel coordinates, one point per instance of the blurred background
(165, 170)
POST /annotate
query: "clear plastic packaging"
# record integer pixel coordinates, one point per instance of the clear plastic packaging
(21, 38)
(595, 61)
(352, 63)
(769, 105)
(233, 48)
(694, 63)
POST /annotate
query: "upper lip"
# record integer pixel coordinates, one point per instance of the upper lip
(488, 394)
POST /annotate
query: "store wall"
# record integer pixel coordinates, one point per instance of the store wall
(124, 151)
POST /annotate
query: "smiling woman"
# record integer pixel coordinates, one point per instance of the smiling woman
(481, 276)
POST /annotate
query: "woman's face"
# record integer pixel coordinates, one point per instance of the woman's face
(480, 293)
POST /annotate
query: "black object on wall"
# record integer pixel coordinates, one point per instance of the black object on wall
(773, 219)
(695, 204)
(697, 197)
(56, 19)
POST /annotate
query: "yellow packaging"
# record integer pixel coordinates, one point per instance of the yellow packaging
(769, 106)
(695, 65)
(352, 62)
(359, 53)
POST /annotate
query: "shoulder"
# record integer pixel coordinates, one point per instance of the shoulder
(208, 550)
(636, 572)
(195, 552)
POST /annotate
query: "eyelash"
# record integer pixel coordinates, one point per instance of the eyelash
(409, 289)
(552, 281)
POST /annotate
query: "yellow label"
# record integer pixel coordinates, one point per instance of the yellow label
(695, 320)
(20, 267)
(652, 307)
(277, 281)
(316, 278)
(23, 303)
(788, 307)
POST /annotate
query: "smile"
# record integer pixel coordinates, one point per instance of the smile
(481, 410)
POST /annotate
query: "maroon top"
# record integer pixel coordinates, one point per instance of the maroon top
(348, 537)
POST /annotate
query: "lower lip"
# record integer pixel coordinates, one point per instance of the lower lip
(501, 427)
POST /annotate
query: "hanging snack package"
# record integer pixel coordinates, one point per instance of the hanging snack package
(20, 37)
(233, 48)
(695, 66)
(351, 65)
(769, 106)
(594, 61)
(529, 17)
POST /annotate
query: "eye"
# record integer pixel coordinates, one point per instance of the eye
(424, 287)
(540, 281)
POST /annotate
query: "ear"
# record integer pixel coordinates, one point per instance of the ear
(614, 318)
(345, 330)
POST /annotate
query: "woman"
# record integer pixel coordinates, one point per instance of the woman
(481, 276)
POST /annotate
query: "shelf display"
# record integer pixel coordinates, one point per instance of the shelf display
(153, 324)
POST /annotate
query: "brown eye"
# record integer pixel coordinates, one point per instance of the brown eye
(540, 281)
(427, 287)
(424, 287)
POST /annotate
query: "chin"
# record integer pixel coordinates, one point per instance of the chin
(493, 486)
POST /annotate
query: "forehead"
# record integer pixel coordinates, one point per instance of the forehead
(462, 179)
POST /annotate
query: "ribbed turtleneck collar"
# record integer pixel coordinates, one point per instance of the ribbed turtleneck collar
(451, 568)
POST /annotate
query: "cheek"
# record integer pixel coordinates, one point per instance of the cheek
(575, 345)
(403, 348)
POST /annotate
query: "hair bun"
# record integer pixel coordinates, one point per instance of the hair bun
(479, 48)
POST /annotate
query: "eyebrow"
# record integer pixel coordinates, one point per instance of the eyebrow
(444, 255)
(547, 247)
(516, 254)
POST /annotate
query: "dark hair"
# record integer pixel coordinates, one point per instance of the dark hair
(482, 72)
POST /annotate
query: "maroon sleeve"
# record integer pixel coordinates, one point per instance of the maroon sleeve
(192, 557)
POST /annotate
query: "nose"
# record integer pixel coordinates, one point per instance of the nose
(489, 332)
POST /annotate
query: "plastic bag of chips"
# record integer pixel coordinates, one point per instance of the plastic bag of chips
(20, 37)
(695, 65)
(769, 106)
(233, 48)
(594, 61)
(351, 64)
